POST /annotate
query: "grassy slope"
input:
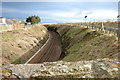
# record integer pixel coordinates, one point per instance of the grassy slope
(85, 44)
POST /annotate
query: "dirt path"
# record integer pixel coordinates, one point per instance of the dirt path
(51, 51)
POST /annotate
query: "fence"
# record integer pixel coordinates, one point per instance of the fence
(10, 27)
(109, 30)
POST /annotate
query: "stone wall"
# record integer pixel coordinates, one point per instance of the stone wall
(100, 68)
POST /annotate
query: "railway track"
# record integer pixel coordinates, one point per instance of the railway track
(51, 51)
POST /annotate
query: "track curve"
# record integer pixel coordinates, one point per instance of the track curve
(50, 52)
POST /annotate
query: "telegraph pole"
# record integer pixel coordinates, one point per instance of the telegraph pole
(85, 21)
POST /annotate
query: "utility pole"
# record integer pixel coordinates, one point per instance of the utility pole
(85, 21)
(118, 25)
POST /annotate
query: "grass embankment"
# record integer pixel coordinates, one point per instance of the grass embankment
(84, 44)
(20, 45)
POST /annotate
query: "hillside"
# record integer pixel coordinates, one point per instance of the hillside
(19, 45)
(81, 43)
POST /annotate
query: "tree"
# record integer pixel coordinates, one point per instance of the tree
(33, 19)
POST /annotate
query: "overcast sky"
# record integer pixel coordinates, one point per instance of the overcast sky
(51, 12)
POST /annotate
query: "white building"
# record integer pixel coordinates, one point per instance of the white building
(2, 20)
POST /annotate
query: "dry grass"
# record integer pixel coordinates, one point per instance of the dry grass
(18, 42)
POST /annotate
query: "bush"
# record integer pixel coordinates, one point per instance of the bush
(33, 19)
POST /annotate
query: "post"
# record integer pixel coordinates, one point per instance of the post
(85, 20)
(102, 27)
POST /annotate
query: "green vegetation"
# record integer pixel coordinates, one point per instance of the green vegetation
(33, 19)
(84, 44)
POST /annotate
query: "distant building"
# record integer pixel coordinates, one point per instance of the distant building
(2, 20)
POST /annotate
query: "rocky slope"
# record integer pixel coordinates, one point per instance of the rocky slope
(19, 45)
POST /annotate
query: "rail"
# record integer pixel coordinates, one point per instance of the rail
(50, 51)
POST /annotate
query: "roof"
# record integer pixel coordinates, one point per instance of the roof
(2, 17)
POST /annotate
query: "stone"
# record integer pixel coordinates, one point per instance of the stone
(99, 68)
